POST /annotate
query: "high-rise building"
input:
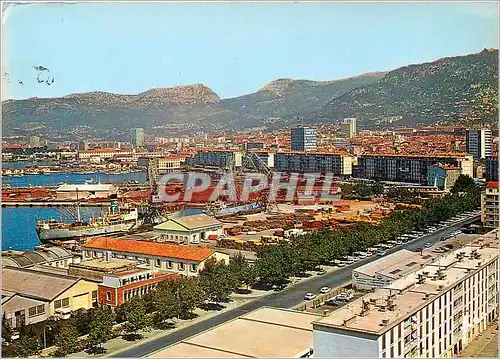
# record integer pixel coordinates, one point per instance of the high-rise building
(338, 164)
(431, 312)
(348, 128)
(489, 205)
(478, 143)
(492, 168)
(34, 141)
(303, 139)
(138, 137)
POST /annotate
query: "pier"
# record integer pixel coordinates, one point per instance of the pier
(52, 204)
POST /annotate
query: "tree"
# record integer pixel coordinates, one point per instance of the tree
(82, 320)
(6, 329)
(188, 294)
(67, 341)
(244, 273)
(363, 190)
(101, 324)
(135, 316)
(217, 281)
(28, 342)
(463, 184)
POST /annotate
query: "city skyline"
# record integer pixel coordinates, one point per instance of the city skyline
(247, 47)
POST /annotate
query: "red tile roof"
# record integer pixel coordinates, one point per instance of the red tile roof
(492, 185)
(150, 248)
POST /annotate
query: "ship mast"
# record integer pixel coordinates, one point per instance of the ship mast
(78, 206)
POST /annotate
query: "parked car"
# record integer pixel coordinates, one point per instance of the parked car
(381, 253)
(428, 244)
(333, 302)
(340, 264)
(309, 296)
(321, 272)
(399, 243)
(345, 297)
(325, 290)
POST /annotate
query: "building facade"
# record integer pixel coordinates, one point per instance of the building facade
(171, 258)
(492, 168)
(348, 128)
(216, 158)
(303, 139)
(478, 143)
(338, 164)
(489, 205)
(408, 168)
(137, 137)
(442, 176)
(118, 288)
(434, 312)
(189, 229)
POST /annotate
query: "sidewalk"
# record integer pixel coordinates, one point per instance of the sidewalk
(485, 345)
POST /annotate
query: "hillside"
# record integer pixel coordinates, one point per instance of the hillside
(289, 97)
(453, 89)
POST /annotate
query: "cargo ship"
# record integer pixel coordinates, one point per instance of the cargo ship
(116, 221)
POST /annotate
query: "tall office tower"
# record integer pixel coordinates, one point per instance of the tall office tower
(478, 143)
(303, 139)
(138, 137)
(349, 127)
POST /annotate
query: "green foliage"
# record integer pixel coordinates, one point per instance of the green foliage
(101, 324)
(463, 183)
(67, 341)
(28, 342)
(402, 195)
(217, 281)
(135, 315)
(276, 264)
(82, 320)
(6, 329)
(243, 272)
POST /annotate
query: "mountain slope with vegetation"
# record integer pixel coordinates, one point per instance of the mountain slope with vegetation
(451, 89)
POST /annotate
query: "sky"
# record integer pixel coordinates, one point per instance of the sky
(234, 48)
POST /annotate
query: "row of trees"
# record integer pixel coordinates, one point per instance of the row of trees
(276, 264)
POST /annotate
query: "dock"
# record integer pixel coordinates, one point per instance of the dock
(52, 204)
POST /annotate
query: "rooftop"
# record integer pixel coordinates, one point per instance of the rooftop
(85, 187)
(101, 264)
(409, 293)
(198, 221)
(35, 284)
(263, 333)
(166, 250)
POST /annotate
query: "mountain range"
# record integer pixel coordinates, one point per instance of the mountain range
(452, 89)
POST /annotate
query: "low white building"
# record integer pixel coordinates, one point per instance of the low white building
(83, 191)
(189, 229)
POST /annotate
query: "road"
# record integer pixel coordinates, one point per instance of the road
(286, 298)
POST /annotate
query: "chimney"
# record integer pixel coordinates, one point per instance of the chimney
(385, 322)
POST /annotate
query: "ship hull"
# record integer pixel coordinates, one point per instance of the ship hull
(50, 234)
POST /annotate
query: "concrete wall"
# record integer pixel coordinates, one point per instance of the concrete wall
(329, 343)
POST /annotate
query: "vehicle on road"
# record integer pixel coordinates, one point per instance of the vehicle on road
(345, 297)
(321, 272)
(340, 264)
(428, 244)
(399, 243)
(310, 296)
(325, 290)
(381, 253)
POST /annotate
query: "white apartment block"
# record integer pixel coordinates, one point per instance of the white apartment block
(479, 143)
(432, 312)
(489, 205)
(338, 164)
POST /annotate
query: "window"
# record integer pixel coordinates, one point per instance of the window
(193, 267)
(181, 266)
(32, 311)
(108, 296)
(383, 342)
(94, 295)
(65, 302)
(57, 304)
(158, 263)
(170, 264)
(395, 271)
(411, 264)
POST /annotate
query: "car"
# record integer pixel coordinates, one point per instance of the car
(325, 290)
(381, 253)
(340, 264)
(399, 243)
(428, 244)
(443, 238)
(309, 296)
(345, 297)
(321, 272)
(333, 302)
(348, 261)
(438, 250)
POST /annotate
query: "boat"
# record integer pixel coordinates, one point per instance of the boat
(222, 209)
(116, 221)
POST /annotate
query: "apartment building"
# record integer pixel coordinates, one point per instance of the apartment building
(492, 168)
(171, 258)
(339, 164)
(432, 312)
(265, 157)
(348, 128)
(489, 205)
(164, 164)
(408, 168)
(216, 158)
(303, 139)
(442, 176)
(137, 137)
(118, 288)
(478, 143)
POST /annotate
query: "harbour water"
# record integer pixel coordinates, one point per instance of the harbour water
(73, 178)
(18, 224)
